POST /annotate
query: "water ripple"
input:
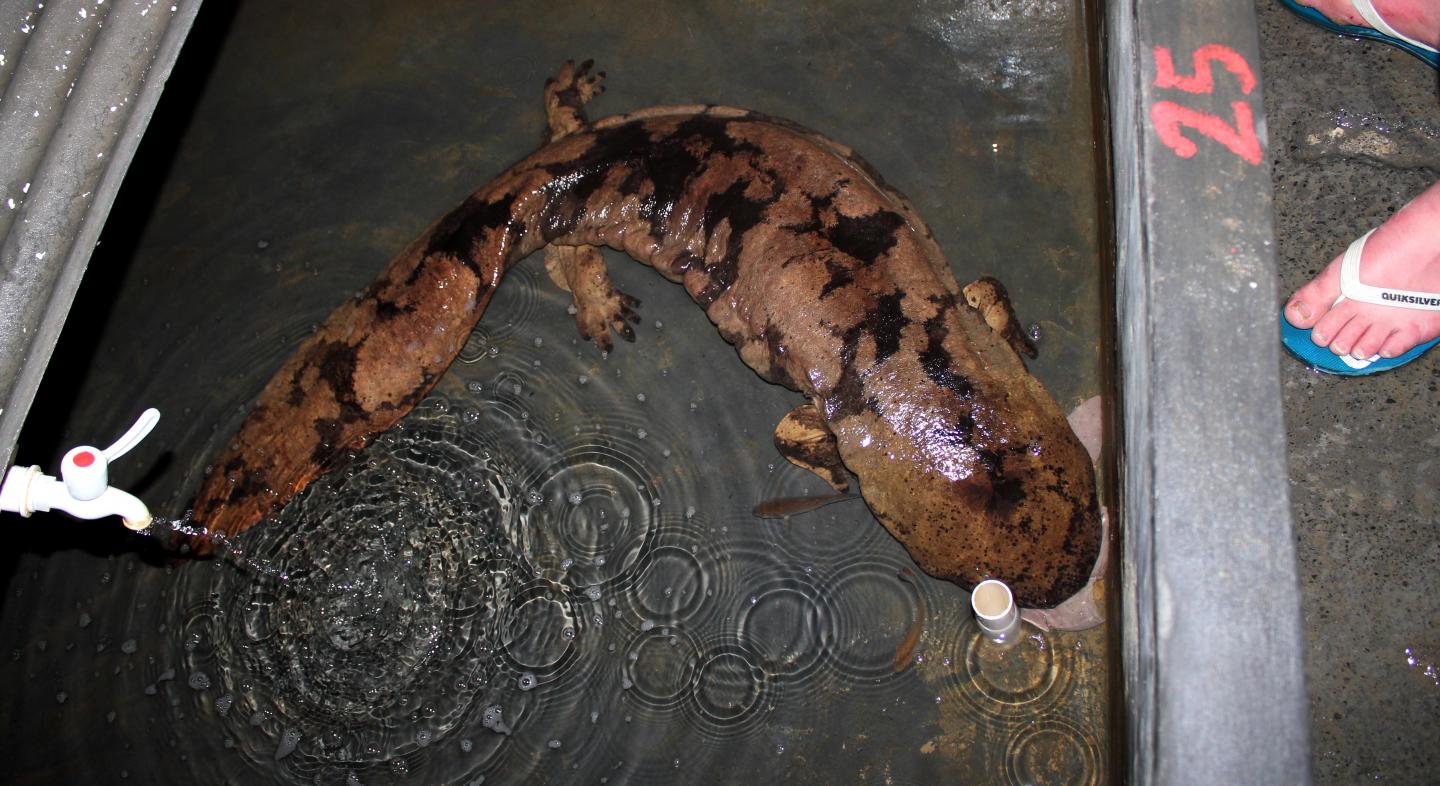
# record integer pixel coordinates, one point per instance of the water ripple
(875, 610)
(1052, 751)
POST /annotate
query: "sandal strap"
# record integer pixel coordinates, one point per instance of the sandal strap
(1352, 288)
(1367, 10)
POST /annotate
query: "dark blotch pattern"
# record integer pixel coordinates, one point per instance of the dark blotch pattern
(867, 237)
(938, 364)
(886, 321)
(743, 214)
(245, 482)
(462, 232)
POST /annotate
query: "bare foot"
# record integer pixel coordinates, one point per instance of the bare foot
(1417, 19)
(1404, 253)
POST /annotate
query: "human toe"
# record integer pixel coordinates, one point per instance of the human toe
(1348, 336)
(1369, 344)
(1314, 300)
(1402, 340)
(1298, 312)
(1328, 327)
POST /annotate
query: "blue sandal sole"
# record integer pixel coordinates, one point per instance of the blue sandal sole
(1315, 17)
(1297, 340)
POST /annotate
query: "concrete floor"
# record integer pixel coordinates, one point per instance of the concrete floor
(1355, 133)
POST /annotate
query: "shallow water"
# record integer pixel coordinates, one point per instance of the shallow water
(550, 572)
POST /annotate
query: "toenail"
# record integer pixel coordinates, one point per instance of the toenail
(1299, 309)
(1320, 338)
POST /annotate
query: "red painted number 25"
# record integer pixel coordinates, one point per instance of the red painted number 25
(1170, 118)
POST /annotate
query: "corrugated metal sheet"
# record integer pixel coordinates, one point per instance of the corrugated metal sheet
(79, 80)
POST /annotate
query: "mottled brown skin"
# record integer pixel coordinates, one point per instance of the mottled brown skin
(822, 276)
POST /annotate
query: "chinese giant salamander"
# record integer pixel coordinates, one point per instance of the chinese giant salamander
(821, 275)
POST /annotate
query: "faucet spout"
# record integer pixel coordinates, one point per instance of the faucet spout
(111, 502)
(26, 490)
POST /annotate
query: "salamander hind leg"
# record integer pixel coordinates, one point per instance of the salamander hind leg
(804, 440)
(599, 307)
(988, 296)
(566, 95)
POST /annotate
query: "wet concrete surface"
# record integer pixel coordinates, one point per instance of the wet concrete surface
(1354, 132)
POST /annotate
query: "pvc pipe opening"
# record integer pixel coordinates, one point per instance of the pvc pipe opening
(995, 609)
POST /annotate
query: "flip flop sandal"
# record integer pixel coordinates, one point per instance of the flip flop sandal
(1379, 30)
(1297, 340)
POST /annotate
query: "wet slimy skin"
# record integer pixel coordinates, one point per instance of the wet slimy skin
(824, 279)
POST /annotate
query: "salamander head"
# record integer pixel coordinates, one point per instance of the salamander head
(973, 495)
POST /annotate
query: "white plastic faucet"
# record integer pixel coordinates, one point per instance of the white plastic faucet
(85, 491)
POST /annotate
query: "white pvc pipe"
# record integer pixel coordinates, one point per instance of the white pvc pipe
(995, 609)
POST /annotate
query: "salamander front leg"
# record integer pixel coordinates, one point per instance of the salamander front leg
(988, 296)
(580, 270)
(803, 438)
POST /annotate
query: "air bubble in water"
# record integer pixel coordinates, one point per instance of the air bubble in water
(527, 681)
(199, 680)
(222, 704)
(492, 719)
